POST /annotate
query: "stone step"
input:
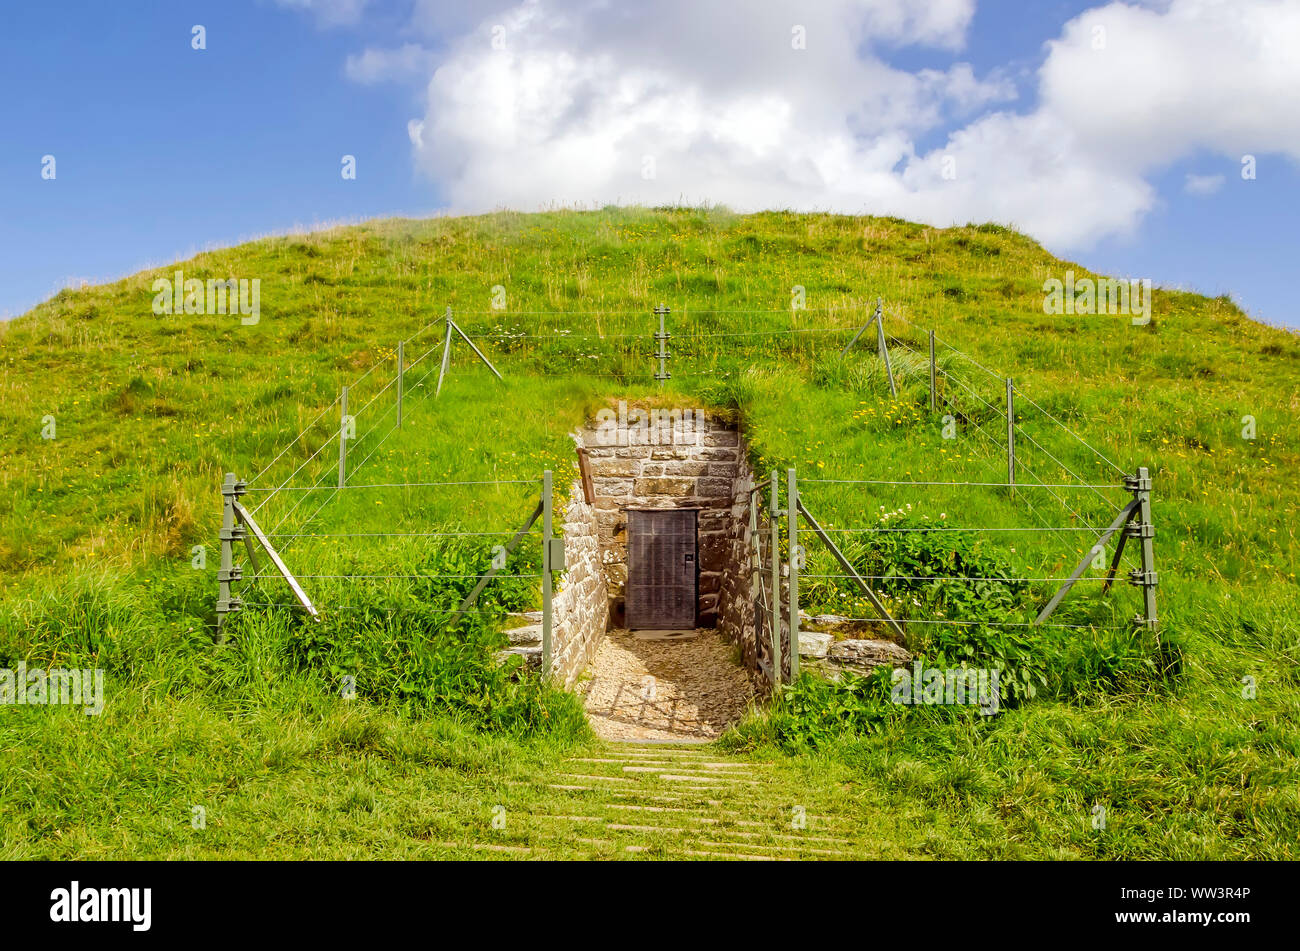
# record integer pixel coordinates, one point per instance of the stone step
(683, 763)
(716, 829)
(702, 773)
(725, 816)
(701, 803)
(530, 635)
(715, 781)
(597, 776)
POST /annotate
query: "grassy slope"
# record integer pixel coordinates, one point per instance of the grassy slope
(151, 410)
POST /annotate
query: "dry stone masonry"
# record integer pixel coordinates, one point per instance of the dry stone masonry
(579, 608)
(658, 458)
(650, 458)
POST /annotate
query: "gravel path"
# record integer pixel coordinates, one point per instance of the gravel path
(664, 689)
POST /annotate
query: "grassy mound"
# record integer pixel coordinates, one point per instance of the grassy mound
(1190, 742)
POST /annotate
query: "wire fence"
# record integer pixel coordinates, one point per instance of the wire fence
(436, 577)
(1069, 500)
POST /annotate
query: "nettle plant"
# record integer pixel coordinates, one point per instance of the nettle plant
(926, 574)
(966, 603)
(399, 644)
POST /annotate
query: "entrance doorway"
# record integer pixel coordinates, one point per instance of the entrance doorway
(662, 591)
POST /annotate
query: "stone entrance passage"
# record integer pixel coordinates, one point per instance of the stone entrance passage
(665, 685)
(645, 459)
(669, 491)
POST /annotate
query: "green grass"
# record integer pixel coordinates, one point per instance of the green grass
(97, 537)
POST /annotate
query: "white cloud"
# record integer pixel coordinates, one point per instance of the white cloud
(409, 61)
(583, 91)
(415, 131)
(1202, 184)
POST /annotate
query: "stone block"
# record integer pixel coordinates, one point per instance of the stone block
(532, 656)
(715, 488)
(868, 654)
(717, 455)
(685, 468)
(664, 486)
(617, 467)
(812, 644)
(520, 636)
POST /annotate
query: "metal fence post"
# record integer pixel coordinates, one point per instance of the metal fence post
(1011, 437)
(343, 437)
(774, 520)
(1144, 530)
(932, 373)
(755, 574)
(401, 366)
(792, 504)
(546, 573)
(755, 563)
(661, 342)
(231, 489)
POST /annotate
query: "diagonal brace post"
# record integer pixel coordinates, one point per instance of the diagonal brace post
(1124, 515)
(247, 518)
(446, 355)
(483, 582)
(464, 336)
(453, 327)
(852, 572)
(863, 329)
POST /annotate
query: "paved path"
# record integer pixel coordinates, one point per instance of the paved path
(658, 788)
(670, 801)
(657, 687)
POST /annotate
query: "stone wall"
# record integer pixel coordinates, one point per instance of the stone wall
(828, 644)
(689, 460)
(738, 592)
(579, 605)
(701, 463)
(579, 610)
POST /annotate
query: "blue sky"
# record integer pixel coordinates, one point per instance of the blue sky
(163, 150)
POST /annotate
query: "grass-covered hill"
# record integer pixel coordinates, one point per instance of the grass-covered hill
(98, 533)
